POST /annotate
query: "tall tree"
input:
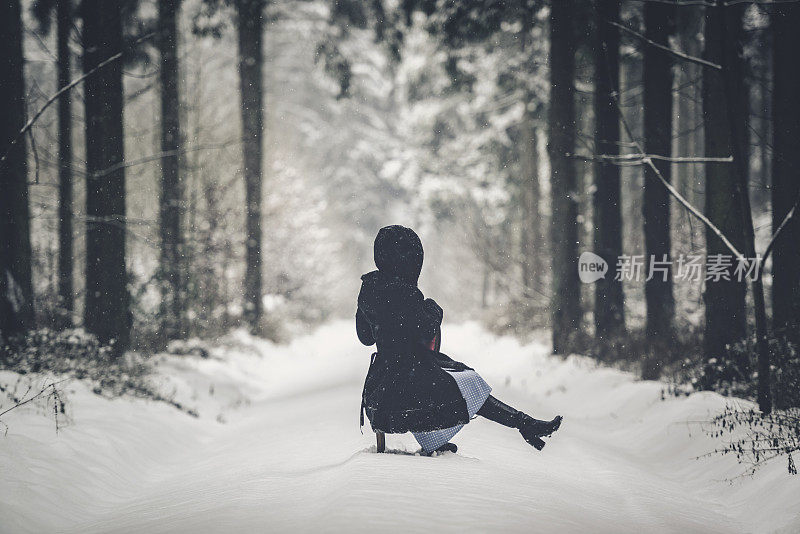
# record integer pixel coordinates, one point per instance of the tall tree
(43, 12)
(563, 180)
(16, 292)
(64, 59)
(736, 97)
(107, 311)
(786, 168)
(530, 235)
(689, 134)
(659, 21)
(250, 27)
(170, 201)
(609, 310)
(725, 319)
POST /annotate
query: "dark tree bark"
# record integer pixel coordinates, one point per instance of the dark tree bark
(786, 168)
(659, 21)
(736, 98)
(762, 185)
(724, 299)
(250, 28)
(761, 119)
(65, 258)
(609, 309)
(107, 301)
(563, 182)
(16, 293)
(171, 199)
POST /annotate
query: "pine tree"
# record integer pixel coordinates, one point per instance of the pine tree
(65, 256)
(659, 21)
(107, 311)
(530, 236)
(609, 310)
(785, 168)
(250, 26)
(43, 11)
(16, 292)
(725, 319)
(171, 198)
(563, 182)
(689, 113)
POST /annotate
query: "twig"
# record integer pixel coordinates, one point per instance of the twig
(35, 156)
(158, 156)
(783, 224)
(62, 91)
(639, 158)
(41, 392)
(677, 53)
(674, 192)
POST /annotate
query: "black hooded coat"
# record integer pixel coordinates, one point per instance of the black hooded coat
(407, 388)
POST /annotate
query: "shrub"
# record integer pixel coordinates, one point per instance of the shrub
(76, 354)
(735, 373)
(766, 437)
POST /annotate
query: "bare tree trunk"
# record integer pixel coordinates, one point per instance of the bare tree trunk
(724, 299)
(631, 177)
(563, 181)
(659, 20)
(609, 308)
(786, 168)
(764, 140)
(171, 200)
(16, 293)
(65, 257)
(106, 311)
(531, 224)
(761, 131)
(250, 26)
(689, 94)
(736, 97)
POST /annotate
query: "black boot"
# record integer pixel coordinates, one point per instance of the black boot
(531, 429)
(500, 412)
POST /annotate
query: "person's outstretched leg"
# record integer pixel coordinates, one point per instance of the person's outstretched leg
(531, 429)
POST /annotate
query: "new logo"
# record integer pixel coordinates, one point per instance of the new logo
(591, 267)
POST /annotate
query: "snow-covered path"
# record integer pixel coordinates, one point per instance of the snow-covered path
(289, 456)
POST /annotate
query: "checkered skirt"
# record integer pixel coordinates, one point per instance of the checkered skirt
(475, 391)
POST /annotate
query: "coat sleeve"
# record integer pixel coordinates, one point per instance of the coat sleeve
(364, 329)
(446, 362)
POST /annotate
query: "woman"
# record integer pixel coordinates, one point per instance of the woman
(411, 386)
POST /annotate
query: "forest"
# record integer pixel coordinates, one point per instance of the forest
(615, 179)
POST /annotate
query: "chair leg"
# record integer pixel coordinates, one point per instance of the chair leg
(381, 437)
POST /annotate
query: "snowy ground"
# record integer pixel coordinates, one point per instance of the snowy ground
(277, 448)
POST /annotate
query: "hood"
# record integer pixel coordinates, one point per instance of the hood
(398, 252)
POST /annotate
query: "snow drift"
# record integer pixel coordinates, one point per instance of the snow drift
(277, 448)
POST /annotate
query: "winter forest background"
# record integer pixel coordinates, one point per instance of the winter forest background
(175, 173)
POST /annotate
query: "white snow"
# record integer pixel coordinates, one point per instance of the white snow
(277, 448)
